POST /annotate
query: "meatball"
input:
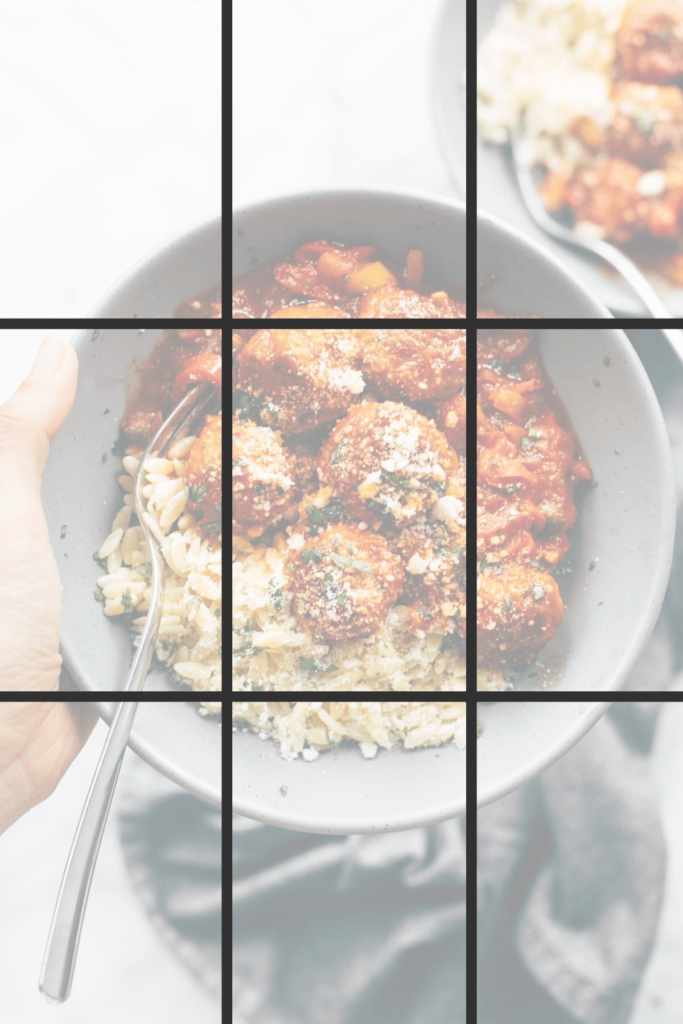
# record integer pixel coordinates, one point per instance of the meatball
(419, 365)
(616, 196)
(385, 459)
(450, 417)
(649, 43)
(301, 380)
(344, 581)
(310, 310)
(433, 553)
(647, 122)
(401, 303)
(262, 477)
(518, 611)
(203, 476)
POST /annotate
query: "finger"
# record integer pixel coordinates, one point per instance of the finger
(34, 413)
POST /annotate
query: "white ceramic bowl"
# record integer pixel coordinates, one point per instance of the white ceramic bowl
(179, 268)
(520, 739)
(519, 276)
(620, 558)
(342, 792)
(396, 220)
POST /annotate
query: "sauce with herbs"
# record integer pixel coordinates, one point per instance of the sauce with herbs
(529, 464)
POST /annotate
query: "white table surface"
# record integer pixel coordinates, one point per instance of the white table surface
(125, 970)
(359, 70)
(110, 121)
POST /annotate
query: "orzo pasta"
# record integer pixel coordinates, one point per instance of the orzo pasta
(306, 727)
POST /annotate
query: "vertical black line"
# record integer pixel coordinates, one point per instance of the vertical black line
(471, 675)
(471, 482)
(471, 158)
(471, 522)
(471, 863)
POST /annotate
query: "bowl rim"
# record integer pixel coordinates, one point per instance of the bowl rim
(247, 801)
(182, 237)
(666, 496)
(537, 763)
(351, 190)
(530, 248)
(661, 567)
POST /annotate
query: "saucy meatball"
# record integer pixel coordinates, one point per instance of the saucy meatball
(647, 122)
(419, 365)
(650, 41)
(611, 195)
(518, 611)
(401, 303)
(344, 581)
(387, 460)
(262, 477)
(301, 379)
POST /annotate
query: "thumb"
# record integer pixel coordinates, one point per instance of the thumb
(34, 413)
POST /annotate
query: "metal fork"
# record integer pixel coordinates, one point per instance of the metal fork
(621, 263)
(65, 931)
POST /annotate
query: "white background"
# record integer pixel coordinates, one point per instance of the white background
(333, 91)
(109, 121)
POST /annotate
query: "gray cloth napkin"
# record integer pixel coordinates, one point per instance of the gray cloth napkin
(570, 880)
(348, 929)
(571, 867)
(172, 843)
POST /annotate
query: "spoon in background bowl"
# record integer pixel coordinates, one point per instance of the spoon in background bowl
(609, 253)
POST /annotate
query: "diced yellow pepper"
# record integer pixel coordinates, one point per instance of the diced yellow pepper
(369, 278)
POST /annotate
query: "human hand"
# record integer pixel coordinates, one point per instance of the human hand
(38, 740)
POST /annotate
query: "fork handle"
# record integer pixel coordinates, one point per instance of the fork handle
(65, 931)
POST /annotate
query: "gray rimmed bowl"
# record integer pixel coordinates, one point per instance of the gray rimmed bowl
(395, 220)
(180, 267)
(344, 793)
(521, 739)
(518, 276)
(614, 579)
